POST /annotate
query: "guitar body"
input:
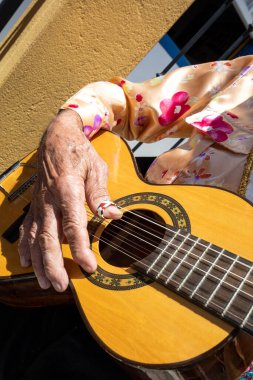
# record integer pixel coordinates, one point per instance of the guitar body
(139, 321)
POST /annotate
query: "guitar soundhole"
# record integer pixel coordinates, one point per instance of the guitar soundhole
(131, 238)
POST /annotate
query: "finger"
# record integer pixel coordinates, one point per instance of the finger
(96, 190)
(49, 238)
(23, 245)
(74, 221)
(36, 257)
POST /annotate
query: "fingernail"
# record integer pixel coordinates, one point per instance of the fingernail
(89, 269)
(92, 265)
(57, 286)
(113, 212)
(44, 283)
(24, 262)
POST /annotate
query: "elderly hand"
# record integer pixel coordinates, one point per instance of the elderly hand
(69, 172)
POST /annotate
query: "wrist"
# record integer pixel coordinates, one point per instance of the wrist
(69, 118)
(66, 125)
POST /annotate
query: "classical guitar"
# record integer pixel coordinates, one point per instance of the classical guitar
(174, 284)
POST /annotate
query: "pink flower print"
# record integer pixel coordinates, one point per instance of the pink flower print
(73, 105)
(138, 97)
(205, 156)
(200, 174)
(164, 172)
(173, 108)
(215, 127)
(87, 129)
(122, 82)
(245, 70)
(171, 177)
(233, 115)
(141, 121)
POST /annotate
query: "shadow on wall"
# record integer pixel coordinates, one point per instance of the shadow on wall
(11, 39)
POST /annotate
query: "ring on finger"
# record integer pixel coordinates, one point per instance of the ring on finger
(102, 206)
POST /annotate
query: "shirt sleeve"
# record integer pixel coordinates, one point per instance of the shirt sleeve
(161, 107)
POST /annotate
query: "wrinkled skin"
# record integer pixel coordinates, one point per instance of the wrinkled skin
(69, 172)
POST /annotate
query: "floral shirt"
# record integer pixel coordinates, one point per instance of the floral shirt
(210, 103)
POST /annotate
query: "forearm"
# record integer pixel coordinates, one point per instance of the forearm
(65, 120)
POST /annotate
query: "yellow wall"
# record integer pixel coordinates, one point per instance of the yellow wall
(58, 46)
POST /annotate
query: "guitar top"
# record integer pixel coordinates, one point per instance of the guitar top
(174, 276)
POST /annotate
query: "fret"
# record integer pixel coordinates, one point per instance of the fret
(238, 290)
(239, 273)
(220, 273)
(243, 302)
(248, 315)
(199, 260)
(222, 266)
(164, 251)
(217, 279)
(180, 261)
(221, 281)
(183, 261)
(188, 255)
(207, 273)
(239, 310)
(194, 267)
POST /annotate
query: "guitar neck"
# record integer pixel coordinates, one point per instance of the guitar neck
(203, 273)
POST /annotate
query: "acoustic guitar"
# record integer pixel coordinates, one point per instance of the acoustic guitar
(174, 285)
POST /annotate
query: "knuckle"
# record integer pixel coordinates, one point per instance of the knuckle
(103, 167)
(100, 164)
(101, 193)
(70, 227)
(44, 238)
(31, 238)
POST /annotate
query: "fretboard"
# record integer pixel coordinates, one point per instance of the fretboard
(210, 276)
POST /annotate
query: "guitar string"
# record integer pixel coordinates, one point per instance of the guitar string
(216, 266)
(236, 316)
(133, 257)
(192, 253)
(181, 235)
(201, 270)
(121, 250)
(170, 230)
(174, 245)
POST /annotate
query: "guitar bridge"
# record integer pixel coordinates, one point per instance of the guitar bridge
(15, 194)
